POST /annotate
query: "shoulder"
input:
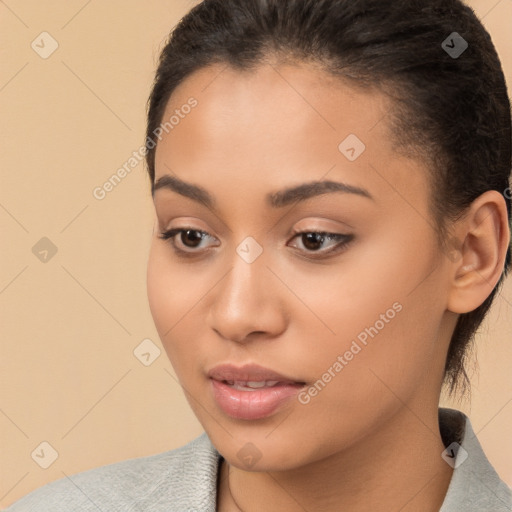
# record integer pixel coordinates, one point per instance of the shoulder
(183, 479)
(475, 486)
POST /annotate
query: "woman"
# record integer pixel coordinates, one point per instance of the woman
(331, 187)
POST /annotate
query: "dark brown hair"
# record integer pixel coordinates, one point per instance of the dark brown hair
(451, 110)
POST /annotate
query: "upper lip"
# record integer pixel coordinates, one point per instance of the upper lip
(248, 373)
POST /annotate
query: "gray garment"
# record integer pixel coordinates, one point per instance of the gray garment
(185, 480)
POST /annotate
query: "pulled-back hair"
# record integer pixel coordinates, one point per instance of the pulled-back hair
(452, 111)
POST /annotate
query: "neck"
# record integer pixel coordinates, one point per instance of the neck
(398, 467)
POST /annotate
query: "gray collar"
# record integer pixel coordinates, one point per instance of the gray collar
(475, 486)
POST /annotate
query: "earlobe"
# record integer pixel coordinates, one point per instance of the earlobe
(485, 236)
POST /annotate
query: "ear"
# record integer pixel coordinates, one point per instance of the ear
(483, 237)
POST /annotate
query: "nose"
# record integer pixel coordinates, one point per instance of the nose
(248, 303)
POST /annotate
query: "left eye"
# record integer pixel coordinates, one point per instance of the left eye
(312, 241)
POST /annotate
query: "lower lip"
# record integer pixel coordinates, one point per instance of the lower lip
(252, 405)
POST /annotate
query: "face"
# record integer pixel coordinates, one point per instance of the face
(330, 299)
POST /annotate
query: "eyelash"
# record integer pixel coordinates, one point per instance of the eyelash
(340, 246)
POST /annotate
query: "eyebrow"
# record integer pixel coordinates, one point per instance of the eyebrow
(277, 199)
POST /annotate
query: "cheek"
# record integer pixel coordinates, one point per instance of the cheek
(343, 299)
(159, 289)
(172, 299)
(380, 314)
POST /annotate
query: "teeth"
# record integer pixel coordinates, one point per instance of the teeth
(261, 384)
(251, 385)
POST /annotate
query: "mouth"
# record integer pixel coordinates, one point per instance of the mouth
(251, 392)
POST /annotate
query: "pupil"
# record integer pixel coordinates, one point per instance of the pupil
(313, 240)
(187, 234)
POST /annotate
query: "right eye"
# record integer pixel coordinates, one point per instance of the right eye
(189, 238)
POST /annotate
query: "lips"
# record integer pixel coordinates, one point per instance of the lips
(251, 392)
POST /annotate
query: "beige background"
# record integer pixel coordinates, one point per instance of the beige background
(68, 374)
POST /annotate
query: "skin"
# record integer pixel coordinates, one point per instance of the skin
(370, 439)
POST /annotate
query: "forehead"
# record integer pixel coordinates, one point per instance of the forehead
(271, 104)
(295, 89)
